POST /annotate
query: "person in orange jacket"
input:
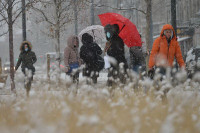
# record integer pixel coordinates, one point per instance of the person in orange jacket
(164, 49)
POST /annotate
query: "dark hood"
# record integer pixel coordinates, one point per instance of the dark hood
(87, 39)
(112, 29)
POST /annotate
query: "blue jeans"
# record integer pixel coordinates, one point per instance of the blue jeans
(136, 68)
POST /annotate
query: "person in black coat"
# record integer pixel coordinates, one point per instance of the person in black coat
(115, 49)
(27, 58)
(90, 53)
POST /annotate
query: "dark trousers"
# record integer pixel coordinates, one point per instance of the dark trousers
(93, 74)
(115, 73)
(28, 78)
(74, 77)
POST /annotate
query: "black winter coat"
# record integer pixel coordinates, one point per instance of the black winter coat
(27, 59)
(116, 50)
(89, 53)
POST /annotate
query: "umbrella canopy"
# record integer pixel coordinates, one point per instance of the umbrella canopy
(96, 31)
(128, 31)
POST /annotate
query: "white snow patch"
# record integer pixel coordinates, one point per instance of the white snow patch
(89, 120)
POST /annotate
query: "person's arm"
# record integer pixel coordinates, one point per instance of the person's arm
(97, 49)
(34, 58)
(80, 61)
(131, 58)
(66, 56)
(179, 57)
(18, 62)
(154, 52)
(107, 46)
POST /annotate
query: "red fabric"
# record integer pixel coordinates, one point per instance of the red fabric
(129, 33)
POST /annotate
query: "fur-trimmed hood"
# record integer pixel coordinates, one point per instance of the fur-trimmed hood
(70, 41)
(23, 43)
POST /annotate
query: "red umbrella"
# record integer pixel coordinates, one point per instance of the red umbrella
(128, 31)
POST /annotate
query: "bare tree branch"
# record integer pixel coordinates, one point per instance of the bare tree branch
(4, 5)
(4, 33)
(16, 3)
(4, 17)
(44, 15)
(116, 8)
(16, 17)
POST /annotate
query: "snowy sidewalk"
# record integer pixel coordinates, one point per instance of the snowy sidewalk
(40, 82)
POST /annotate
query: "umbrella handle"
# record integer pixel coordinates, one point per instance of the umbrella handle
(124, 25)
(122, 28)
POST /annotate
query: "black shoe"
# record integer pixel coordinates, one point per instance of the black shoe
(94, 79)
(109, 82)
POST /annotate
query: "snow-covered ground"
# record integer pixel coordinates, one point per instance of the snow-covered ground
(140, 106)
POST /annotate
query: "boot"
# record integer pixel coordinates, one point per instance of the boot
(94, 79)
(109, 82)
(28, 88)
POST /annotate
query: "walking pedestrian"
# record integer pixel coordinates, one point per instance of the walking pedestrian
(72, 59)
(90, 53)
(27, 58)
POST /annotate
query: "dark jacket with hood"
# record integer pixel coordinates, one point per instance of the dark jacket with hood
(26, 58)
(89, 52)
(116, 48)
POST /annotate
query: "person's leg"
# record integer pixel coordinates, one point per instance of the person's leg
(71, 77)
(28, 88)
(162, 72)
(123, 75)
(27, 80)
(110, 76)
(30, 79)
(136, 68)
(94, 79)
(113, 75)
(95, 76)
(25, 77)
(76, 77)
(87, 74)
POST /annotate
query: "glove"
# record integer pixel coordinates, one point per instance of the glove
(151, 73)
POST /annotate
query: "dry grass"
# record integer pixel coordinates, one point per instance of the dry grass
(99, 111)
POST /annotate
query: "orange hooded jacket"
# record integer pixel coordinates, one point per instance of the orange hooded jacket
(162, 54)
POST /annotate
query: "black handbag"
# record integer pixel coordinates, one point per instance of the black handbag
(99, 63)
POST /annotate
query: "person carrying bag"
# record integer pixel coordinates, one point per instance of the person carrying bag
(90, 53)
(71, 58)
